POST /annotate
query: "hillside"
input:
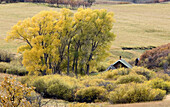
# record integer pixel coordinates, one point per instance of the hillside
(157, 58)
(136, 25)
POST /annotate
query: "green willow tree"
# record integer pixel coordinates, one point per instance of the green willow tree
(95, 36)
(56, 41)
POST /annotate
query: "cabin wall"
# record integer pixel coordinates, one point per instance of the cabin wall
(119, 65)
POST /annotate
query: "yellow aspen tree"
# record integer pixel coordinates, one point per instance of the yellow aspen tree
(41, 38)
(55, 40)
(66, 33)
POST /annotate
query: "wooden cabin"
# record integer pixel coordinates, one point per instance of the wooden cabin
(121, 63)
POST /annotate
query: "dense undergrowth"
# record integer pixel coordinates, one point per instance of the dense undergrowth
(157, 58)
(117, 86)
(11, 64)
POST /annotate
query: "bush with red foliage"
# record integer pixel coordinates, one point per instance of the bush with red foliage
(157, 57)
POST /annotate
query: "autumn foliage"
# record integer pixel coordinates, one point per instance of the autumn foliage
(117, 86)
(13, 93)
(157, 58)
(59, 41)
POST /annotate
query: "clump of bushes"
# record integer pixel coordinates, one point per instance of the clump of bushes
(163, 76)
(108, 85)
(40, 85)
(55, 86)
(117, 86)
(91, 94)
(6, 56)
(131, 78)
(158, 83)
(114, 74)
(101, 68)
(93, 82)
(3, 67)
(12, 69)
(130, 93)
(61, 90)
(144, 71)
(157, 57)
(13, 93)
(110, 75)
(11, 64)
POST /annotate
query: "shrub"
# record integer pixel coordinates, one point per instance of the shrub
(62, 87)
(160, 83)
(110, 75)
(163, 76)
(109, 85)
(12, 69)
(123, 71)
(61, 90)
(16, 70)
(14, 94)
(27, 80)
(131, 78)
(114, 74)
(130, 93)
(41, 86)
(3, 67)
(101, 68)
(91, 94)
(93, 82)
(153, 58)
(144, 71)
(5, 56)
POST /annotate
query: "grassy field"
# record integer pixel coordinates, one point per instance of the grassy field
(136, 25)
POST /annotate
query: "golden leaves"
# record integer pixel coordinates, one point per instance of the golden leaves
(13, 93)
(49, 32)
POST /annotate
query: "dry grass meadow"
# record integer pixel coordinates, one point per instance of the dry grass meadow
(136, 25)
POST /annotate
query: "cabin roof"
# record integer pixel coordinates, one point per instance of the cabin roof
(119, 61)
(123, 62)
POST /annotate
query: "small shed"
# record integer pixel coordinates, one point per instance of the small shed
(118, 64)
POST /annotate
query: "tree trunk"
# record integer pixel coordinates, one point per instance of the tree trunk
(45, 57)
(57, 69)
(57, 3)
(61, 53)
(76, 66)
(76, 59)
(81, 71)
(43, 72)
(68, 58)
(88, 66)
(73, 64)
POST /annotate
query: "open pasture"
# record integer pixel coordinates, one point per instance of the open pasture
(136, 25)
